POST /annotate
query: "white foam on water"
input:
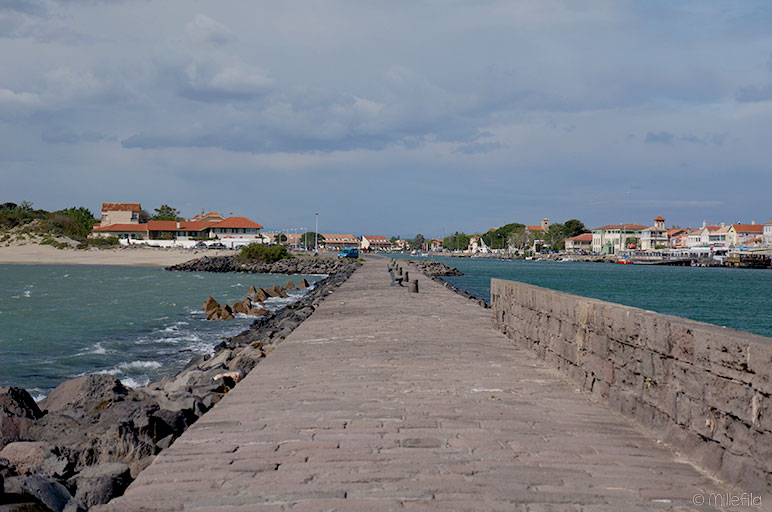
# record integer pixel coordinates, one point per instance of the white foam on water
(135, 382)
(139, 365)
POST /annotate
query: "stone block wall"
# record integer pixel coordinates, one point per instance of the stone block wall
(705, 388)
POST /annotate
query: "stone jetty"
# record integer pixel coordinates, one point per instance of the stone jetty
(389, 400)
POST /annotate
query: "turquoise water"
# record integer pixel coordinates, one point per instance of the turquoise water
(137, 323)
(736, 298)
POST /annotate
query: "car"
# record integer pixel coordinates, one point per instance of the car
(349, 253)
(200, 245)
(217, 245)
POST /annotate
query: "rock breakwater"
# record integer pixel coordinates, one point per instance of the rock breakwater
(434, 270)
(84, 443)
(298, 265)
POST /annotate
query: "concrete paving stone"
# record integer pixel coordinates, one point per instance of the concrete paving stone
(384, 400)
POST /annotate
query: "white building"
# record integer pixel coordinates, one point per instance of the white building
(612, 238)
(767, 234)
(655, 237)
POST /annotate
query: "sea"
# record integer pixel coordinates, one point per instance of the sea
(730, 297)
(136, 323)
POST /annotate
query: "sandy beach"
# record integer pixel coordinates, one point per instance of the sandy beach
(32, 254)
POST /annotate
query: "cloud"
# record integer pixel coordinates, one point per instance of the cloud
(668, 138)
(234, 82)
(9, 98)
(753, 94)
(204, 29)
(62, 135)
(478, 147)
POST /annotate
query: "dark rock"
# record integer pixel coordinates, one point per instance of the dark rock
(227, 313)
(214, 314)
(47, 491)
(98, 484)
(303, 283)
(18, 412)
(260, 295)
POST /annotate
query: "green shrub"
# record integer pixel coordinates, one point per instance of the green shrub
(99, 242)
(259, 253)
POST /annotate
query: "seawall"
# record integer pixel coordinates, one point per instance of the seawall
(705, 388)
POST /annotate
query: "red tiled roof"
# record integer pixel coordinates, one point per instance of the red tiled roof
(333, 237)
(122, 227)
(121, 207)
(237, 222)
(584, 237)
(534, 228)
(748, 228)
(659, 218)
(377, 238)
(620, 226)
(171, 225)
(210, 214)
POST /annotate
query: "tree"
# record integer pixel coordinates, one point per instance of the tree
(455, 241)
(279, 238)
(144, 216)
(521, 239)
(166, 212)
(308, 239)
(393, 239)
(417, 242)
(574, 227)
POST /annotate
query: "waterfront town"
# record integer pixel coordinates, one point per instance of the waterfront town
(736, 244)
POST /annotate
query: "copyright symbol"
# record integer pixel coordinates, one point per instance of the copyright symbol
(698, 499)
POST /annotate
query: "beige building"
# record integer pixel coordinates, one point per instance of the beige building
(579, 243)
(767, 234)
(745, 234)
(375, 243)
(336, 242)
(655, 237)
(120, 213)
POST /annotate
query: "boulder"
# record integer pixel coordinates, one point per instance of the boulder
(27, 456)
(279, 291)
(210, 304)
(251, 292)
(227, 313)
(239, 307)
(258, 312)
(99, 484)
(47, 491)
(290, 286)
(214, 314)
(261, 295)
(83, 395)
(18, 412)
(303, 283)
(218, 360)
(269, 292)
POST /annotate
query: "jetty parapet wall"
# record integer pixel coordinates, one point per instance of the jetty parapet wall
(705, 388)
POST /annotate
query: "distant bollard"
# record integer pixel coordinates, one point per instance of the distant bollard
(413, 286)
(399, 270)
(407, 276)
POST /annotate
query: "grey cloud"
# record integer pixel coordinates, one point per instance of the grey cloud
(753, 94)
(204, 29)
(233, 82)
(62, 135)
(668, 138)
(479, 147)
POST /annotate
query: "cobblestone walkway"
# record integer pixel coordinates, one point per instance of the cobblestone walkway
(389, 400)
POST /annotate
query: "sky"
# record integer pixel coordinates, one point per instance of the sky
(391, 117)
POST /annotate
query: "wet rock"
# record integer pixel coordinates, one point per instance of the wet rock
(226, 313)
(260, 296)
(303, 283)
(251, 292)
(290, 286)
(214, 314)
(98, 484)
(239, 307)
(279, 292)
(258, 312)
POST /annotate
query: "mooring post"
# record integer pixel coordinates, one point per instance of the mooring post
(413, 286)
(407, 276)
(399, 270)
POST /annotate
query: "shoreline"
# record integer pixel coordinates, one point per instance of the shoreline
(134, 256)
(75, 425)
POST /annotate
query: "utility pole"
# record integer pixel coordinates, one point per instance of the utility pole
(316, 233)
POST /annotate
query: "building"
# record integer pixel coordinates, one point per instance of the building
(120, 213)
(579, 243)
(615, 237)
(336, 242)
(435, 244)
(677, 238)
(375, 243)
(655, 237)
(400, 245)
(767, 234)
(208, 217)
(745, 234)
(232, 231)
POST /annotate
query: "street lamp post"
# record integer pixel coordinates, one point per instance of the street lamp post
(316, 233)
